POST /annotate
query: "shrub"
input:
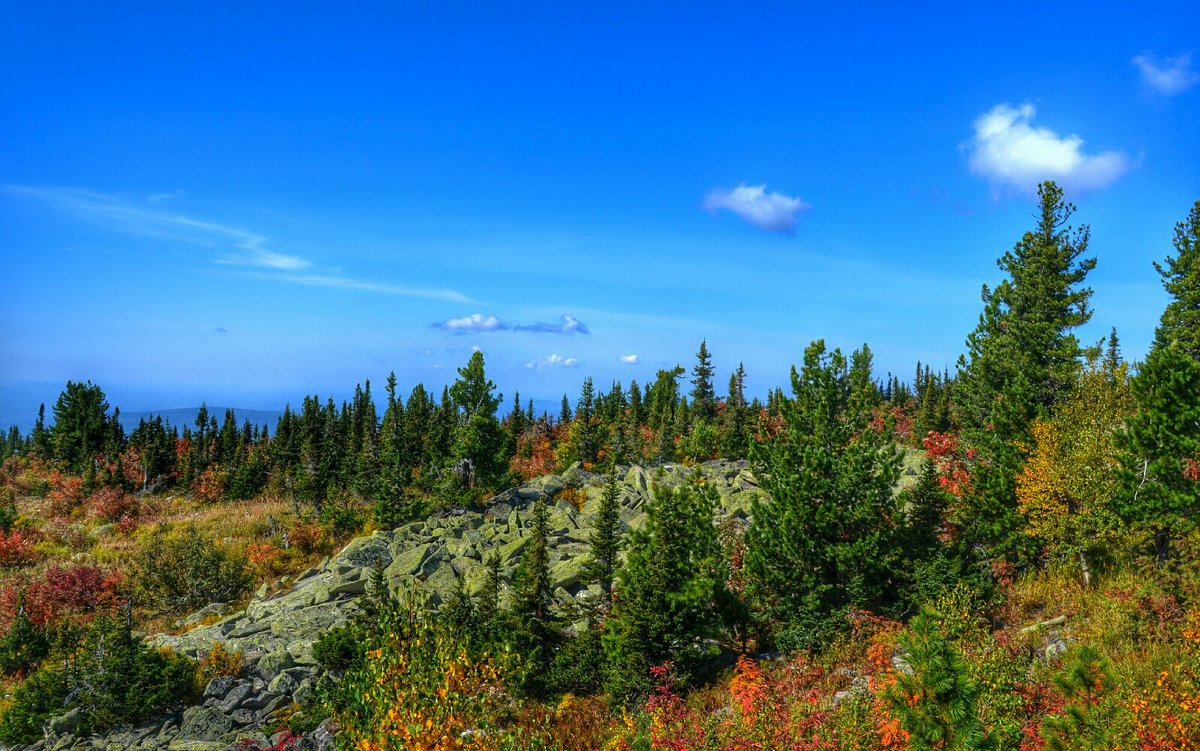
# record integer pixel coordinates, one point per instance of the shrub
(217, 663)
(35, 700)
(340, 648)
(111, 503)
(24, 646)
(177, 573)
(15, 550)
(107, 674)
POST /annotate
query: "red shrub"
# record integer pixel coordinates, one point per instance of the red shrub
(111, 504)
(15, 550)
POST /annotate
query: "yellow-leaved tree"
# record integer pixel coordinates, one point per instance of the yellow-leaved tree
(1066, 487)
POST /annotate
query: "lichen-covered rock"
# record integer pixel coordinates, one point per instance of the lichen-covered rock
(278, 628)
(209, 724)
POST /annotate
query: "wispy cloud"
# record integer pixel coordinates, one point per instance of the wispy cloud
(220, 330)
(566, 325)
(1008, 150)
(1167, 75)
(478, 322)
(774, 212)
(243, 247)
(231, 246)
(474, 323)
(629, 359)
(552, 361)
(164, 196)
(398, 290)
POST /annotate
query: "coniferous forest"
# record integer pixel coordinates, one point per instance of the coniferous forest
(1003, 554)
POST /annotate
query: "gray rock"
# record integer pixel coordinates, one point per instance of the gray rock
(284, 683)
(204, 724)
(320, 739)
(218, 687)
(235, 697)
(1054, 650)
(64, 724)
(274, 663)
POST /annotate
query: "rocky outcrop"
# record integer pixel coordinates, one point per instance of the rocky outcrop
(277, 630)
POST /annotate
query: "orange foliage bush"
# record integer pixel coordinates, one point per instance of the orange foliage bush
(111, 504)
(66, 493)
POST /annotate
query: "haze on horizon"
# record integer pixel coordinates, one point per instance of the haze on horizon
(240, 206)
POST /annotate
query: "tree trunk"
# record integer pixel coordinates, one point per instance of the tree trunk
(1087, 572)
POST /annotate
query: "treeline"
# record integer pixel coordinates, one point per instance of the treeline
(413, 452)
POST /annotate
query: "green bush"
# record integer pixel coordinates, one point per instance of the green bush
(35, 700)
(107, 674)
(340, 648)
(179, 573)
(24, 646)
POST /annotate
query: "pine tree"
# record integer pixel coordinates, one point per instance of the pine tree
(1087, 720)
(1022, 362)
(1180, 322)
(936, 701)
(667, 591)
(1161, 442)
(477, 441)
(605, 540)
(1161, 448)
(81, 426)
(824, 541)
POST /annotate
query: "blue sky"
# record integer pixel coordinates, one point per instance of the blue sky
(244, 205)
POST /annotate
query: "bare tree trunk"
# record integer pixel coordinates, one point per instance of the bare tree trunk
(1087, 572)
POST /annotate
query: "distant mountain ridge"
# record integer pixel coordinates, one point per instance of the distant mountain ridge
(186, 416)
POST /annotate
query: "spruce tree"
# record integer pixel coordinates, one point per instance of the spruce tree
(535, 624)
(704, 396)
(605, 540)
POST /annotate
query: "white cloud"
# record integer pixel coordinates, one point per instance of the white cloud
(1008, 150)
(472, 323)
(775, 212)
(1167, 75)
(566, 325)
(629, 359)
(553, 361)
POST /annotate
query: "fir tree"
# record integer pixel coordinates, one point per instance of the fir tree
(735, 440)
(81, 426)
